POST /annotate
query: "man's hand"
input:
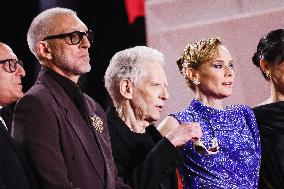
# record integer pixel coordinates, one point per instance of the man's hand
(185, 132)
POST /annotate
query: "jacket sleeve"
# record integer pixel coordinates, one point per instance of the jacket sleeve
(36, 133)
(119, 183)
(160, 162)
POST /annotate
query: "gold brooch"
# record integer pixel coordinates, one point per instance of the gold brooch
(97, 123)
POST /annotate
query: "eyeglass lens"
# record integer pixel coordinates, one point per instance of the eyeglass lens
(11, 64)
(77, 37)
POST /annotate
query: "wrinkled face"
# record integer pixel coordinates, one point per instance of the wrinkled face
(277, 77)
(150, 94)
(10, 83)
(217, 76)
(71, 59)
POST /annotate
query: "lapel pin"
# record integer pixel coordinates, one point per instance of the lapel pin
(97, 123)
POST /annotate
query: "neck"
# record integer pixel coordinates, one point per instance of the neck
(210, 101)
(70, 76)
(275, 95)
(127, 114)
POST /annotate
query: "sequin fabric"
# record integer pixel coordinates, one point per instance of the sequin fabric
(237, 163)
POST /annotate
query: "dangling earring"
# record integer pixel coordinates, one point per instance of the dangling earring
(196, 82)
(268, 75)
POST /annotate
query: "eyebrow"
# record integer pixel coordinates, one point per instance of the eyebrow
(159, 82)
(222, 61)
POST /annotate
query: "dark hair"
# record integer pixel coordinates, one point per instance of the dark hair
(270, 48)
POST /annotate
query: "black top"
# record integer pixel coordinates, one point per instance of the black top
(145, 161)
(270, 119)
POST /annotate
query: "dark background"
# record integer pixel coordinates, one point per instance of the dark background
(108, 19)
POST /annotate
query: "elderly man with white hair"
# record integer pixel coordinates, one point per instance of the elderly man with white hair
(137, 83)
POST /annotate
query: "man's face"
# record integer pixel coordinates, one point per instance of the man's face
(150, 94)
(10, 83)
(72, 60)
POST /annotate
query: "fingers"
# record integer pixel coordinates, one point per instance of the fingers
(192, 128)
(184, 133)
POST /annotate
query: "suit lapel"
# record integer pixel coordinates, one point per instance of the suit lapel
(24, 164)
(102, 136)
(7, 115)
(87, 139)
(9, 138)
(6, 133)
(74, 118)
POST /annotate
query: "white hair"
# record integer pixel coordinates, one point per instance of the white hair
(43, 24)
(128, 64)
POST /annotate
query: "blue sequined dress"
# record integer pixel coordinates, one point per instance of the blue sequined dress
(237, 163)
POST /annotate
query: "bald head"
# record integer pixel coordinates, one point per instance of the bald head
(6, 51)
(10, 76)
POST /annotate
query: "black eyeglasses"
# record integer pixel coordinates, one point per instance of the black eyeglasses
(12, 64)
(75, 36)
(199, 145)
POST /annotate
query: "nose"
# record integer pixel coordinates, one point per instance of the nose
(165, 94)
(20, 71)
(85, 43)
(229, 71)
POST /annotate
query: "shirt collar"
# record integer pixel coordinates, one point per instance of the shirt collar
(71, 88)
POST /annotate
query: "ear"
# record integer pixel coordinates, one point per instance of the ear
(264, 66)
(191, 74)
(126, 88)
(43, 49)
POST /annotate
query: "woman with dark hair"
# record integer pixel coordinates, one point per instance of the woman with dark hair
(269, 57)
(228, 153)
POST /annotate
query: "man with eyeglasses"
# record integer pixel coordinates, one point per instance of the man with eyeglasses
(13, 171)
(62, 131)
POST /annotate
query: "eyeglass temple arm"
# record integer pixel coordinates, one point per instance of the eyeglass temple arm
(194, 120)
(213, 132)
(214, 139)
(193, 117)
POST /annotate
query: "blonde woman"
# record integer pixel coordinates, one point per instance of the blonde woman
(228, 153)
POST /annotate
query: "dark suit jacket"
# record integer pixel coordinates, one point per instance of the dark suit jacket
(12, 170)
(62, 149)
(7, 114)
(145, 161)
